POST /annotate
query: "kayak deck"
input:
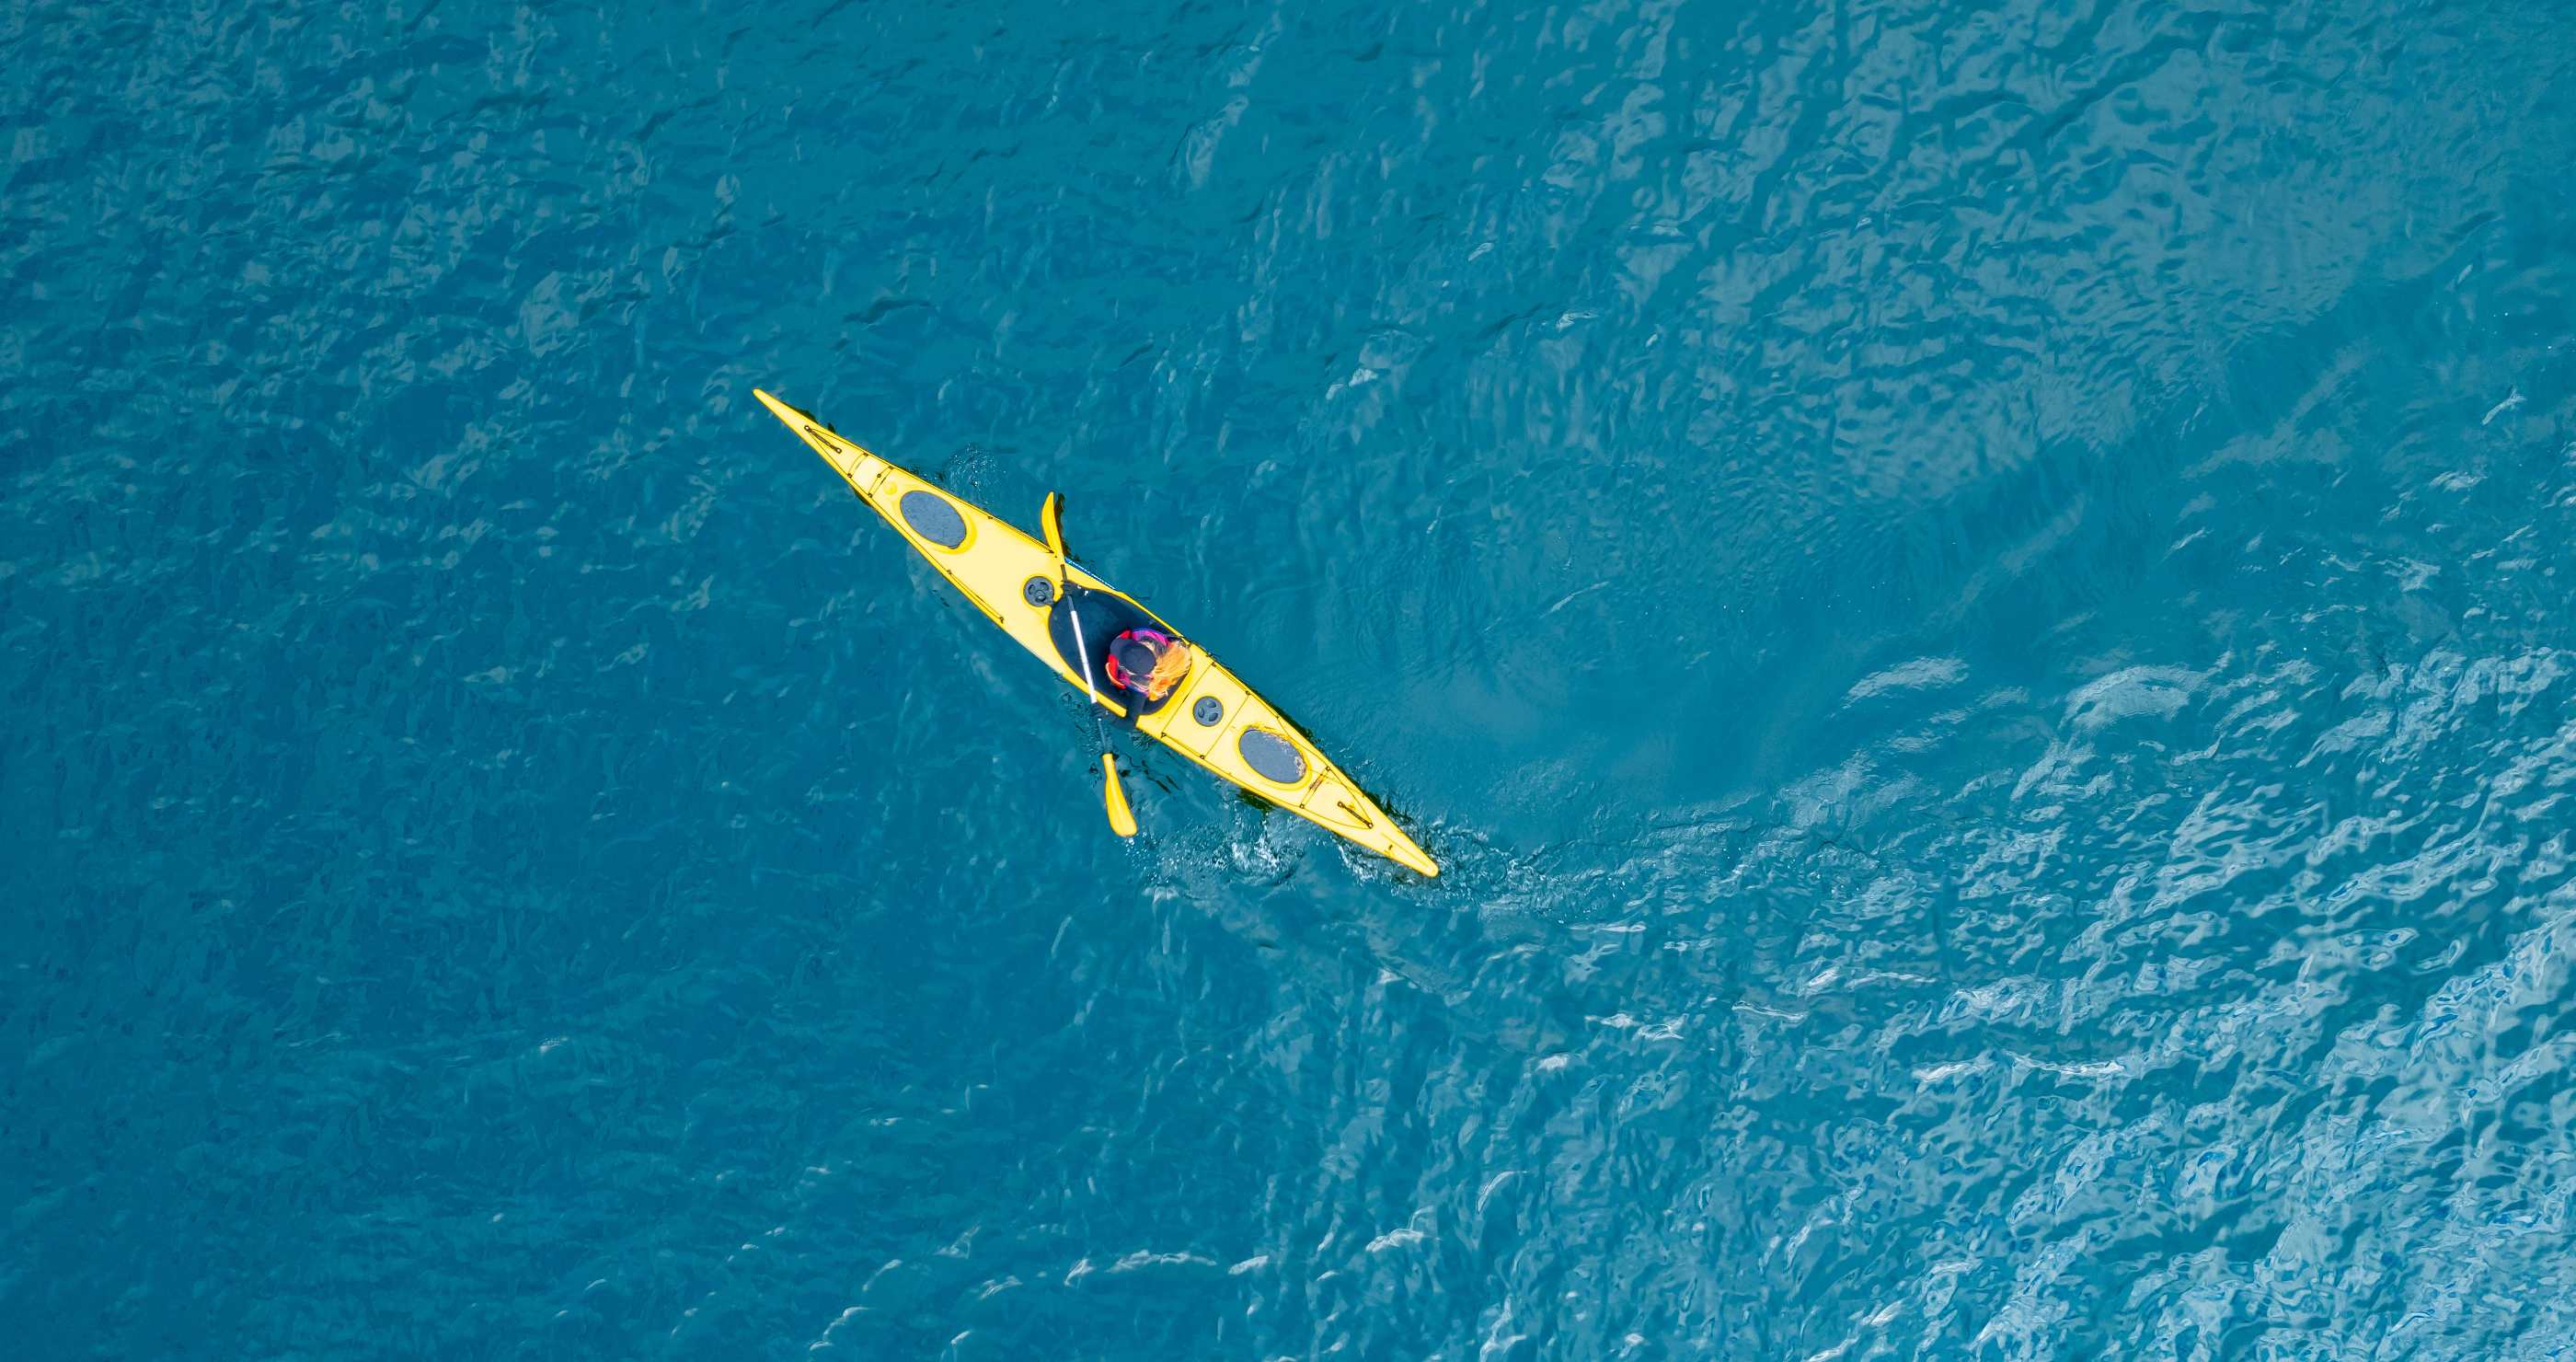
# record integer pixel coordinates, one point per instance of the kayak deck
(1211, 718)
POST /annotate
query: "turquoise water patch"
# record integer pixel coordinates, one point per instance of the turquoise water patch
(1972, 600)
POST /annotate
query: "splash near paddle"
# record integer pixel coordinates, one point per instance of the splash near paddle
(1068, 618)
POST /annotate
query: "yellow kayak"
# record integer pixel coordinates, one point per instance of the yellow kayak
(1068, 617)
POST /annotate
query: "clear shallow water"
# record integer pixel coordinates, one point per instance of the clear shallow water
(1974, 599)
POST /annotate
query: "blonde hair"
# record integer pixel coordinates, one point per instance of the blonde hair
(1170, 665)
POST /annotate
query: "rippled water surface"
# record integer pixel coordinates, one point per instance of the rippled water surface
(1973, 598)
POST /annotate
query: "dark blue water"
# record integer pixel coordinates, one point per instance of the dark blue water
(1975, 600)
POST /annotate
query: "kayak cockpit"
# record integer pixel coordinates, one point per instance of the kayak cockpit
(1081, 623)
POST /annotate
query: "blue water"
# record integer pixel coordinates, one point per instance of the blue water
(1974, 599)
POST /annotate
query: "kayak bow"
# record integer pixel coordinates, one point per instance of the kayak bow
(1031, 590)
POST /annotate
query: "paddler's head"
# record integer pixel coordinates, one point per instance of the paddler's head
(1148, 662)
(1135, 656)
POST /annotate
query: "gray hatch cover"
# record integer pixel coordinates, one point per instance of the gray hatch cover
(1271, 755)
(931, 517)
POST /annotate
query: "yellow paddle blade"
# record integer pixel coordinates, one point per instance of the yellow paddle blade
(1051, 515)
(1121, 818)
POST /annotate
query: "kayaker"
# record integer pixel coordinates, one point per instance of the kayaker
(1147, 662)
